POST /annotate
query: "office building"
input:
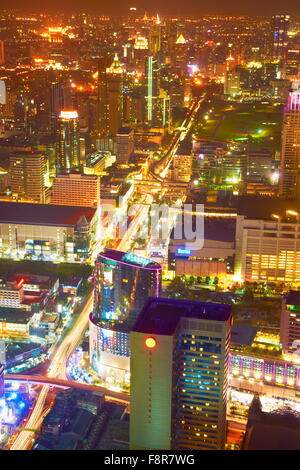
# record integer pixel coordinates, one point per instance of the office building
(28, 174)
(11, 294)
(125, 144)
(267, 240)
(152, 86)
(60, 99)
(113, 98)
(232, 83)
(68, 145)
(123, 282)
(179, 375)
(289, 182)
(280, 28)
(75, 189)
(290, 325)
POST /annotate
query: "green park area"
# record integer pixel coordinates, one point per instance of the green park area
(257, 123)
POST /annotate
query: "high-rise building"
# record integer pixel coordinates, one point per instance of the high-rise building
(290, 324)
(75, 189)
(60, 99)
(155, 37)
(179, 375)
(232, 83)
(280, 27)
(292, 62)
(68, 146)
(290, 153)
(152, 86)
(125, 144)
(28, 174)
(122, 283)
(110, 84)
(267, 244)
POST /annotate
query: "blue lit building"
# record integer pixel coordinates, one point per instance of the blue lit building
(122, 284)
(179, 375)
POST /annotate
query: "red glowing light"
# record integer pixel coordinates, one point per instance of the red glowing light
(21, 282)
(150, 342)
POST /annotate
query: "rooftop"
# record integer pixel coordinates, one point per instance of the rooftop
(161, 316)
(293, 298)
(14, 315)
(43, 214)
(262, 207)
(129, 258)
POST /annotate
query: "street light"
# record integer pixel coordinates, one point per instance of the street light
(291, 212)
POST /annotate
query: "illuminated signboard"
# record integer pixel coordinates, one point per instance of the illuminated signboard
(184, 251)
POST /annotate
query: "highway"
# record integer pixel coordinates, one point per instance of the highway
(56, 369)
(159, 169)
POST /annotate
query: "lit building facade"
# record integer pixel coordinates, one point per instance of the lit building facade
(289, 181)
(179, 375)
(47, 231)
(28, 174)
(290, 325)
(280, 27)
(74, 189)
(68, 146)
(125, 144)
(267, 244)
(123, 282)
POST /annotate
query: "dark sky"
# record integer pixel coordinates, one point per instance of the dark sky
(175, 7)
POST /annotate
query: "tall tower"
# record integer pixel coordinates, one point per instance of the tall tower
(114, 79)
(122, 284)
(68, 147)
(152, 86)
(290, 153)
(155, 37)
(280, 27)
(179, 375)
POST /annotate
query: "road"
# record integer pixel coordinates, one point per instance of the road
(56, 369)
(159, 169)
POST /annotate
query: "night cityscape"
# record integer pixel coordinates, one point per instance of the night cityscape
(149, 229)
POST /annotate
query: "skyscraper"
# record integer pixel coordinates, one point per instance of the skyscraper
(122, 283)
(110, 83)
(179, 370)
(152, 86)
(125, 144)
(290, 153)
(155, 37)
(280, 27)
(28, 172)
(68, 146)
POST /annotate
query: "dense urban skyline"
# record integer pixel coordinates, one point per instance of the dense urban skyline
(168, 8)
(150, 229)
